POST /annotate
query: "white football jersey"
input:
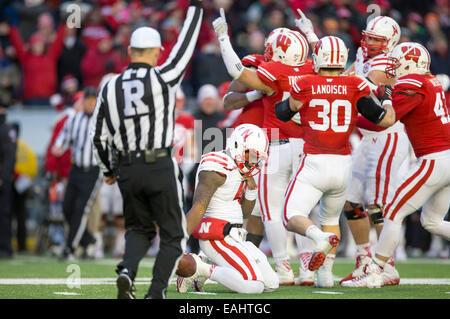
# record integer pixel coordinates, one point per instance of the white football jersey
(362, 69)
(225, 203)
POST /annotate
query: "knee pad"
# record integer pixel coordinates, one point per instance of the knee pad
(357, 212)
(376, 215)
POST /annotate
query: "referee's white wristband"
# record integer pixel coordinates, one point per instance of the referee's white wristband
(251, 194)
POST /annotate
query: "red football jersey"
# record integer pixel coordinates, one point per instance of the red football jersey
(281, 78)
(253, 112)
(329, 111)
(420, 104)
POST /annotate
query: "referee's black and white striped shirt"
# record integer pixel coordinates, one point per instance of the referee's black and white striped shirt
(135, 109)
(75, 134)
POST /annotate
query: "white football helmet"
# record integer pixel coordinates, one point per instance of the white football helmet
(330, 52)
(383, 28)
(248, 146)
(445, 81)
(408, 58)
(290, 48)
(268, 51)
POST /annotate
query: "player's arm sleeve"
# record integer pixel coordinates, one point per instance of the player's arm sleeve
(370, 109)
(101, 136)
(173, 69)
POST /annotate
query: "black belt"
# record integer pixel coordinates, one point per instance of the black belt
(145, 156)
(279, 142)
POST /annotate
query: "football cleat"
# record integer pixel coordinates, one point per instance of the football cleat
(306, 276)
(372, 277)
(285, 273)
(321, 251)
(361, 264)
(199, 283)
(391, 276)
(125, 286)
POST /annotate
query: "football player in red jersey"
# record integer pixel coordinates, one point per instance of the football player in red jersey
(328, 104)
(240, 96)
(419, 103)
(275, 79)
(382, 151)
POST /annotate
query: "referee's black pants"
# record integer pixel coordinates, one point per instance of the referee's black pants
(81, 190)
(153, 195)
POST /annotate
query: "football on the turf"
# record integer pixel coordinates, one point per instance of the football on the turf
(187, 266)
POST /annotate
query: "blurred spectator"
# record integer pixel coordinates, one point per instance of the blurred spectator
(136, 16)
(100, 61)
(208, 67)
(331, 27)
(10, 78)
(415, 25)
(46, 27)
(72, 54)
(39, 65)
(28, 12)
(440, 59)
(95, 29)
(275, 19)
(25, 170)
(432, 25)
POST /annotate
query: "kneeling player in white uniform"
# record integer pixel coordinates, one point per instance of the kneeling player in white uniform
(225, 194)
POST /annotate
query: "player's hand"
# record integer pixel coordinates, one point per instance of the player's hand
(250, 181)
(109, 179)
(220, 25)
(303, 23)
(384, 93)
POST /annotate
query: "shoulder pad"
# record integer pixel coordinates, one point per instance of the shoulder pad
(216, 161)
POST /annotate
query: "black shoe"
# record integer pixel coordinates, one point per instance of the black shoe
(125, 286)
(67, 255)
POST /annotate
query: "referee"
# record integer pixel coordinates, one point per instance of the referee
(84, 179)
(132, 136)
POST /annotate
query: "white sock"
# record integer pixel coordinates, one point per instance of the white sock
(389, 238)
(303, 243)
(363, 249)
(233, 280)
(329, 261)
(314, 233)
(276, 235)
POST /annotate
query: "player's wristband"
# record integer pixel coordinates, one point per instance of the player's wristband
(232, 62)
(251, 194)
(253, 95)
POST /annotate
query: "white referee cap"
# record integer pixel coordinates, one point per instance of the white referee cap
(145, 37)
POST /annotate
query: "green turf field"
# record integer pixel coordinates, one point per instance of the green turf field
(33, 277)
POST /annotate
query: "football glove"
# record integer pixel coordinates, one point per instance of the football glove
(305, 25)
(220, 25)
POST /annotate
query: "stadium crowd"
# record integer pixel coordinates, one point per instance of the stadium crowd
(44, 63)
